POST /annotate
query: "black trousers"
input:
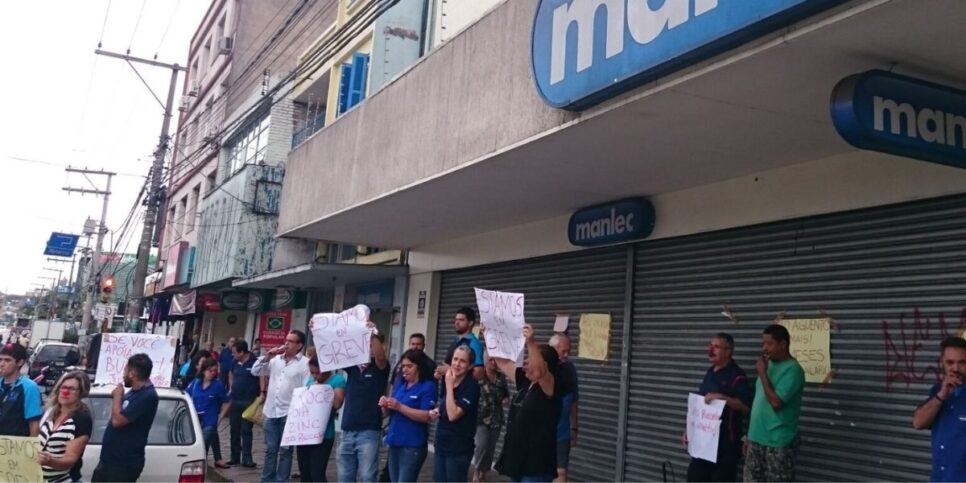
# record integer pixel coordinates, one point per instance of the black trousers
(115, 473)
(240, 432)
(726, 469)
(314, 460)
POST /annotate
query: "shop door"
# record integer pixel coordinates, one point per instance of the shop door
(892, 278)
(589, 281)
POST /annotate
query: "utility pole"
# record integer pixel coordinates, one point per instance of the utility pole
(135, 302)
(60, 276)
(68, 312)
(106, 193)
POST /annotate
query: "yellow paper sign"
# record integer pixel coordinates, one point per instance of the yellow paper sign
(18, 459)
(810, 346)
(594, 336)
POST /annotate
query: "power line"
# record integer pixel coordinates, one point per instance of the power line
(107, 12)
(166, 28)
(137, 24)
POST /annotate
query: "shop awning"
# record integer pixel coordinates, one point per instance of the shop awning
(321, 275)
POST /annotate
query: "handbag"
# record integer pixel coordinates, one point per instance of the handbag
(254, 412)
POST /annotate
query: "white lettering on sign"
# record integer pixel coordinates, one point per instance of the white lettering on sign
(501, 313)
(343, 339)
(929, 125)
(644, 23)
(116, 349)
(308, 415)
(614, 225)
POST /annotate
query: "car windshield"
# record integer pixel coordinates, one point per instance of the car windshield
(54, 353)
(172, 425)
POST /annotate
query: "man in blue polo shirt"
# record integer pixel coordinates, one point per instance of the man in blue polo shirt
(362, 417)
(244, 388)
(225, 360)
(463, 323)
(726, 381)
(126, 435)
(20, 408)
(945, 414)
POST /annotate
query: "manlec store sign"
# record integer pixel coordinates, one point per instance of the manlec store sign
(586, 51)
(901, 115)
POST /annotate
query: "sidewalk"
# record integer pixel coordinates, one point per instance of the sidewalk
(242, 474)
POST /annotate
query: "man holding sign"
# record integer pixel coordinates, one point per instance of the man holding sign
(724, 381)
(285, 374)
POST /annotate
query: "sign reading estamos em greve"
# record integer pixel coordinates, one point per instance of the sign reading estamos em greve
(614, 222)
(586, 51)
(900, 115)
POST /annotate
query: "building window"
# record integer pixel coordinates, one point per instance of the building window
(249, 146)
(352, 82)
(212, 181)
(172, 226)
(192, 209)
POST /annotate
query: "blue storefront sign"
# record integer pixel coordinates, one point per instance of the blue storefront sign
(587, 51)
(896, 114)
(614, 222)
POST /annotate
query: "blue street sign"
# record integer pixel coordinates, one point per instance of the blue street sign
(61, 245)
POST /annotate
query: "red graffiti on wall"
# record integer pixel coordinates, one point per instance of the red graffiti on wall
(904, 361)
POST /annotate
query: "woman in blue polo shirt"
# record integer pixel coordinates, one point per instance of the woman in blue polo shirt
(414, 394)
(314, 458)
(211, 401)
(457, 412)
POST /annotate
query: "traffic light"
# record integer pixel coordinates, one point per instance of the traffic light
(107, 286)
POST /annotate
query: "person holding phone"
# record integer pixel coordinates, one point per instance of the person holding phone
(944, 412)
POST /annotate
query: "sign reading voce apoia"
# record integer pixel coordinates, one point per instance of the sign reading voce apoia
(586, 51)
(614, 222)
(900, 115)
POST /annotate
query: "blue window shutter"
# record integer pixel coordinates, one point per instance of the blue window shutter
(344, 88)
(357, 81)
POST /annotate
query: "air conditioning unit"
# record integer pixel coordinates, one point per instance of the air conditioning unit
(185, 103)
(209, 101)
(211, 135)
(194, 89)
(225, 44)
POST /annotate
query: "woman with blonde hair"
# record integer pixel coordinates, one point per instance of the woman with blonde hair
(65, 429)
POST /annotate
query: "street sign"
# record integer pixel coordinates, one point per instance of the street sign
(104, 311)
(61, 245)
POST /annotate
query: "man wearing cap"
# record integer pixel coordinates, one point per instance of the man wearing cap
(20, 408)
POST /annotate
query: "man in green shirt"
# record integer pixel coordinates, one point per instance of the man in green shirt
(773, 433)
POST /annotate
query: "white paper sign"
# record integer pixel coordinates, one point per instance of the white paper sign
(561, 323)
(117, 348)
(501, 313)
(308, 415)
(342, 340)
(704, 427)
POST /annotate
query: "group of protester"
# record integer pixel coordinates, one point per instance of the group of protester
(464, 395)
(775, 405)
(65, 425)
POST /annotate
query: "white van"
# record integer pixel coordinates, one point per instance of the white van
(176, 447)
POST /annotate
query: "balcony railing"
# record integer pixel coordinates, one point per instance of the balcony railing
(311, 127)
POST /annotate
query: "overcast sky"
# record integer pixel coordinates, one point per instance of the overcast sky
(64, 105)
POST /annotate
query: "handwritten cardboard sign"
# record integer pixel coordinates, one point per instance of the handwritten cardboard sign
(343, 339)
(501, 313)
(810, 346)
(117, 348)
(308, 415)
(704, 427)
(594, 336)
(18, 459)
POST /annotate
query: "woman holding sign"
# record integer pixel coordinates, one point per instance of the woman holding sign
(457, 412)
(314, 458)
(211, 401)
(530, 447)
(414, 394)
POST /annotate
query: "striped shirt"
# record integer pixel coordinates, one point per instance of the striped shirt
(54, 441)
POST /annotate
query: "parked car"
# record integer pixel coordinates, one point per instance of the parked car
(176, 447)
(51, 359)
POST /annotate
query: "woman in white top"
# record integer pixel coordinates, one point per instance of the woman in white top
(65, 429)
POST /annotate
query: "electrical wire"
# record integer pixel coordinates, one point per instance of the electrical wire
(107, 12)
(137, 24)
(164, 36)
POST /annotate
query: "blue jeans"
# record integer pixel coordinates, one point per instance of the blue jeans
(359, 456)
(405, 463)
(451, 468)
(212, 442)
(278, 460)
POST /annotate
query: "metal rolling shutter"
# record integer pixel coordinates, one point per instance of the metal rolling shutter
(583, 282)
(865, 268)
